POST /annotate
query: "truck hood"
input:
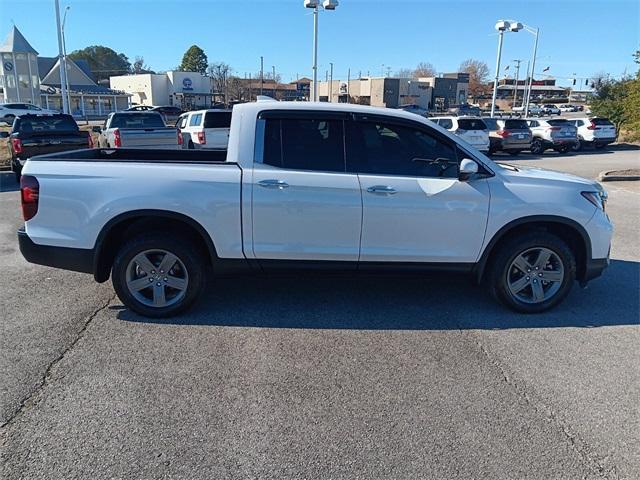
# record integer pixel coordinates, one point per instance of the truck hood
(540, 175)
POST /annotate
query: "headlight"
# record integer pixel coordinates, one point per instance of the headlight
(599, 198)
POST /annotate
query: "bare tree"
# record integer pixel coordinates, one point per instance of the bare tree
(478, 76)
(424, 69)
(237, 89)
(140, 67)
(219, 73)
(405, 73)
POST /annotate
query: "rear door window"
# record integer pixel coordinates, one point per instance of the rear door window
(217, 120)
(137, 120)
(445, 123)
(57, 123)
(558, 123)
(602, 122)
(304, 144)
(471, 124)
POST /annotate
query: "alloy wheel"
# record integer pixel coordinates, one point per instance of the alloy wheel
(157, 278)
(535, 275)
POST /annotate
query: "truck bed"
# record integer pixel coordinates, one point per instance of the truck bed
(137, 155)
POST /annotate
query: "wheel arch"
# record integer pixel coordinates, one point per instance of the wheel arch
(122, 226)
(567, 229)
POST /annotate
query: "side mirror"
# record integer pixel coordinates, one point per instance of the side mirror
(4, 134)
(96, 129)
(468, 168)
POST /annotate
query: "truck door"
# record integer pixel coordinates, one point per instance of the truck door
(305, 205)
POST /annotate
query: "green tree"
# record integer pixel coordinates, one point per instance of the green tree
(619, 101)
(194, 60)
(103, 61)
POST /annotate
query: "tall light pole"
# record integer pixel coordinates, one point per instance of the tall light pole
(536, 32)
(63, 66)
(327, 5)
(502, 26)
(261, 74)
(331, 83)
(64, 51)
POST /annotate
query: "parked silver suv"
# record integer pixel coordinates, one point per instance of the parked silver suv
(511, 135)
(558, 134)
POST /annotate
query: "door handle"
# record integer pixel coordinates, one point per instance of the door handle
(382, 189)
(279, 184)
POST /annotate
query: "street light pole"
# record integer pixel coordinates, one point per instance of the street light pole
(533, 67)
(64, 51)
(315, 53)
(495, 82)
(63, 66)
(331, 83)
(261, 74)
(327, 5)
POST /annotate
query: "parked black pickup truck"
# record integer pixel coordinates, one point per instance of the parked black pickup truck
(39, 134)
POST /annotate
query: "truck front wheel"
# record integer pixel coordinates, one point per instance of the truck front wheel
(157, 275)
(533, 272)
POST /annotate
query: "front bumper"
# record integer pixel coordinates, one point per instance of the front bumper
(76, 259)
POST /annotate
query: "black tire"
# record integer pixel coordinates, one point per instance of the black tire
(562, 150)
(507, 253)
(190, 145)
(576, 147)
(599, 146)
(537, 148)
(513, 153)
(18, 175)
(190, 269)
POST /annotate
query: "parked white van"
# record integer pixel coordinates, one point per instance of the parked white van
(204, 129)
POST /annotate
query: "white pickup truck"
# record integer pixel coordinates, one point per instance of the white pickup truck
(135, 129)
(307, 185)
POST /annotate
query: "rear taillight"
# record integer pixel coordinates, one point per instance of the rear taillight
(117, 141)
(29, 193)
(16, 143)
(89, 140)
(592, 126)
(503, 133)
(202, 139)
(180, 139)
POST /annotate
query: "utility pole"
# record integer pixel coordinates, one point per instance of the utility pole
(63, 66)
(331, 83)
(349, 86)
(388, 72)
(261, 74)
(515, 88)
(250, 90)
(273, 69)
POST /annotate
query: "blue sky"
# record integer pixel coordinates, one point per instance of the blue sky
(577, 36)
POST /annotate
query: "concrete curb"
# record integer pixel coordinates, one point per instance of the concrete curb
(607, 177)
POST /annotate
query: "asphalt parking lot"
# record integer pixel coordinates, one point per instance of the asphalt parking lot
(325, 377)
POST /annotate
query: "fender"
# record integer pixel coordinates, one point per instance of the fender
(532, 219)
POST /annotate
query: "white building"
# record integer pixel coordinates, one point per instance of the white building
(188, 90)
(25, 77)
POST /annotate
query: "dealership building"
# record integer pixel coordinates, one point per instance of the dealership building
(436, 93)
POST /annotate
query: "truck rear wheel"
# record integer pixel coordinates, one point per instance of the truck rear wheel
(157, 275)
(532, 272)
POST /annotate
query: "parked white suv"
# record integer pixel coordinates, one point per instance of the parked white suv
(558, 134)
(598, 132)
(204, 129)
(9, 111)
(472, 129)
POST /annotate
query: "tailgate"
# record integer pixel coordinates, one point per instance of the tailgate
(149, 137)
(43, 144)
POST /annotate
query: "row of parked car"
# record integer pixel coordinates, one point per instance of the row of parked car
(514, 135)
(36, 134)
